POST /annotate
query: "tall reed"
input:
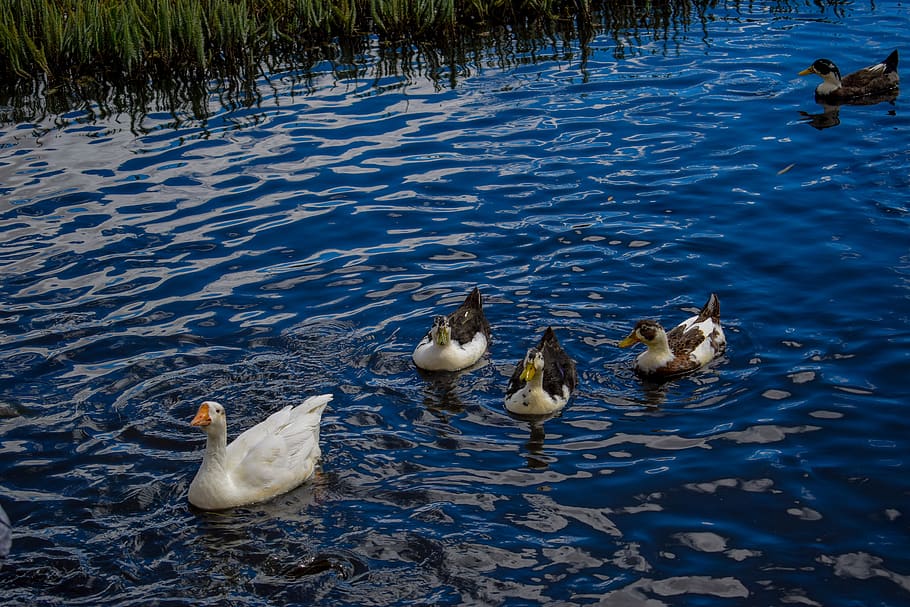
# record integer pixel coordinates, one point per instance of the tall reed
(135, 55)
(68, 39)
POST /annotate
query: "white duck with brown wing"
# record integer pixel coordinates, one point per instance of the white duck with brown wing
(456, 341)
(688, 346)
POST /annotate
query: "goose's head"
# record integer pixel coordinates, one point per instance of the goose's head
(533, 365)
(648, 332)
(440, 331)
(210, 417)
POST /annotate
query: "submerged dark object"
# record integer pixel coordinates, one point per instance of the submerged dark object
(6, 533)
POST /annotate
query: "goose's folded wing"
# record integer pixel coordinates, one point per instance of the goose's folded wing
(280, 460)
(240, 448)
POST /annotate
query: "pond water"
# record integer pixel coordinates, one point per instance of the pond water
(301, 246)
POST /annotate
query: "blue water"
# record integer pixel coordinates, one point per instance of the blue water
(301, 246)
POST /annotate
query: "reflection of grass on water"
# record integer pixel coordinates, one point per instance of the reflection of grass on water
(59, 54)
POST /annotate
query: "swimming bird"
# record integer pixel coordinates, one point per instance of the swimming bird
(543, 382)
(691, 344)
(455, 341)
(877, 79)
(269, 459)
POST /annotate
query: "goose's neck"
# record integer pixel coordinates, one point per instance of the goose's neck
(215, 451)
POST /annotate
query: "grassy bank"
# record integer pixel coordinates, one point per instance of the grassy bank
(69, 39)
(134, 56)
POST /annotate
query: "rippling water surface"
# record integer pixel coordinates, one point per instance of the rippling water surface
(301, 246)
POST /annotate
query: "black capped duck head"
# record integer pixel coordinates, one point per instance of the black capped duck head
(828, 72)
(824, 68)
(647, 332)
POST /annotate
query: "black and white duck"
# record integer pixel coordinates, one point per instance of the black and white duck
(691, 344)
(543, 382)
(456, 341)
(872, 81)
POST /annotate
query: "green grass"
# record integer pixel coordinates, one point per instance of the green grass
(138, 55)
(68, 39)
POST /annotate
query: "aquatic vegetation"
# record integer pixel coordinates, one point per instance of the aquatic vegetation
(59, 54)
(68, 39)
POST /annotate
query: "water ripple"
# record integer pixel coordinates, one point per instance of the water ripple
(302, 245)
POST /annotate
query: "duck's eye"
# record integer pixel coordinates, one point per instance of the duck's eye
(647, 332)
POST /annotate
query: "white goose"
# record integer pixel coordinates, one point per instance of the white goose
(269, 459)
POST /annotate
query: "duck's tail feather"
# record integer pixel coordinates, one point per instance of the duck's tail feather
(711, 309)
(891, 62)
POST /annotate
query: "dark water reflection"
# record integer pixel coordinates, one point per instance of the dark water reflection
(298, 246)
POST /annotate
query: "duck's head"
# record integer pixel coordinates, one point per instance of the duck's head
(824, 68)
(533, 365)
(648, 332)
(440, 331)
(210, 414)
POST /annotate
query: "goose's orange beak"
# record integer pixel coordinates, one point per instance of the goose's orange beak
(202, 416)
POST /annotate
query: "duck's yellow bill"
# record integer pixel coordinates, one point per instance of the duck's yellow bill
(528, 373)
(628, 341)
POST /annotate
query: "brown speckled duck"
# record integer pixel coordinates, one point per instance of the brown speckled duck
(691, 344)
(875, 80)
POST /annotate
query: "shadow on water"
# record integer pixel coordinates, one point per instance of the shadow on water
(830, 114)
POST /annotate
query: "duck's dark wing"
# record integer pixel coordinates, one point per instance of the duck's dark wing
(559, 369)
(682, 340)
(679, 366)
(469, 319)
(887, 66)
(515, 382)
(873, 79)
